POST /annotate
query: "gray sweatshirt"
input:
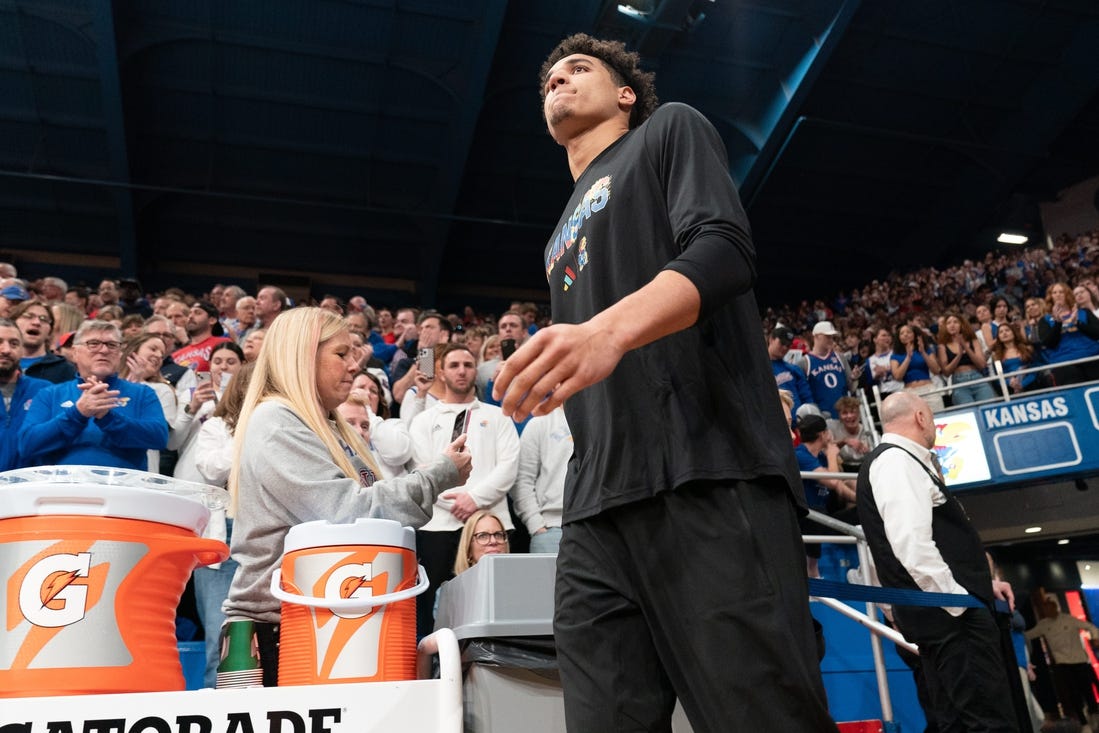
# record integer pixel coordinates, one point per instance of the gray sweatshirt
(287, 477)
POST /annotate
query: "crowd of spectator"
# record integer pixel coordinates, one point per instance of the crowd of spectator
(112, 376)
(918, 330)
(932, 329)
(115, 376)
(1031, 315)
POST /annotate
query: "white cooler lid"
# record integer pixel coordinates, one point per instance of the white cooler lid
(97, 491)
(363, 531)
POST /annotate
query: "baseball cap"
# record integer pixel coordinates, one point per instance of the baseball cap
(810, 427)
(826, 328)
(212, 311)
(15, 292)
(783, 334)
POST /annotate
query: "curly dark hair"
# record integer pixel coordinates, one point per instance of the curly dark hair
(624, 66)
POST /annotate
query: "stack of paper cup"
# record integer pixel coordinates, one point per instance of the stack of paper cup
(240, 663)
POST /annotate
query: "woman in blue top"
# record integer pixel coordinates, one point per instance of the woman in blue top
(961, 355)
(914, 361)
(1035, 310)
(1069, 332)
(1014, 354)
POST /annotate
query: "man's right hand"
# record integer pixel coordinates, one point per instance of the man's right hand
(97, 400)
(460, 457)
(1002, 590)
(410, 332)
(423, 382)
(552, 365)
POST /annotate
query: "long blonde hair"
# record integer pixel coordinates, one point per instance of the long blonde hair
(66, 319)
(463, 561)
(286, 372)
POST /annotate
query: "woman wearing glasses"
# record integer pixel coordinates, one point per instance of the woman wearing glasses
(483, 534)
(296, 459)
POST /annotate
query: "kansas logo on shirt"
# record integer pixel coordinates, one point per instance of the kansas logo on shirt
(592, 202)
(120, 402)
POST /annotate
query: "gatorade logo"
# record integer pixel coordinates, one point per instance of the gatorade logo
(354, 580)
(54, 592)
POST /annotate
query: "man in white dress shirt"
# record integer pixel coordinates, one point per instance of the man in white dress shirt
(921, 539)
(492, 442)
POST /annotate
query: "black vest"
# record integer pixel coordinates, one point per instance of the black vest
(955, 537)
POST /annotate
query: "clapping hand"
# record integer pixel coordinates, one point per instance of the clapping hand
(138, 368)
(97, 399)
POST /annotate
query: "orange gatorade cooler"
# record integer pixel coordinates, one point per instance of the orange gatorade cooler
(348, 602)
(93, 562)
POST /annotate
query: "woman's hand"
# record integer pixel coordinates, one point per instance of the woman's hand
(138, 368)
(204, 392)
(460, 457)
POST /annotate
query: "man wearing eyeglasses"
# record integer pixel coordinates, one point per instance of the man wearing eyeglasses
(35, 322)
(96, 419)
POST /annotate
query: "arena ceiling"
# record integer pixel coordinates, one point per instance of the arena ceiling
(395, 147)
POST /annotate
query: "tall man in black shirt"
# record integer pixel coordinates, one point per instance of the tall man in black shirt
(681, 571)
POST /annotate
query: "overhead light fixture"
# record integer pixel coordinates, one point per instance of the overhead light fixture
(1062, 542)
(640, 9)
(1004, 237)
(1032, 530)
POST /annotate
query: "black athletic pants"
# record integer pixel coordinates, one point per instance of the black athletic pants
(698, 593)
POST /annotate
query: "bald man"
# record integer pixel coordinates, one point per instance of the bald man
(921, 539)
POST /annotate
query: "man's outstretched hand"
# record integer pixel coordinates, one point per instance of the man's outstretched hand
(554, 364)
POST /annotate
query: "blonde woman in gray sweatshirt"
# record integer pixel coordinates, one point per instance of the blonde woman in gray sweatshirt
(297, 460)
